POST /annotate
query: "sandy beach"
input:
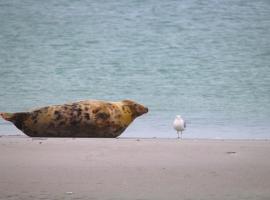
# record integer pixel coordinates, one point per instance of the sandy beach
(138, 169)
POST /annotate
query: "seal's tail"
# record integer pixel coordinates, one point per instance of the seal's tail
(6, 116)
(16, 118)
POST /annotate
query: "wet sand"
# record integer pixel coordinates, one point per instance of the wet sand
(118, 169)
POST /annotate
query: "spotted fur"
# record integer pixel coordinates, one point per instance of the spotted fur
(91, 118)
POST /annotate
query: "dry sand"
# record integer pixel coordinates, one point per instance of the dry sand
(119, 169)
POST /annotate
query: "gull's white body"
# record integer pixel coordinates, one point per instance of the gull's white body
(179, 125)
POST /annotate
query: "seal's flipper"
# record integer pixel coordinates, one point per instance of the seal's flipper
(7, 116)
(16, 118)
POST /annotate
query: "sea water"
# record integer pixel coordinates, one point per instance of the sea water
(208, 61)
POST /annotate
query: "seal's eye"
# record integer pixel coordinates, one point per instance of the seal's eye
(137, 107)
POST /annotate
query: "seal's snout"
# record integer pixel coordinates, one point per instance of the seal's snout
(141, 109)
(145, 110)
(137, 109)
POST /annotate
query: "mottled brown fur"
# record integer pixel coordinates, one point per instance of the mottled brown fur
(90, 118)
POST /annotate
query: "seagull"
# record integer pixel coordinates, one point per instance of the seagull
(179, 125)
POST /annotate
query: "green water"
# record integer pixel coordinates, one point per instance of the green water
(208, 61)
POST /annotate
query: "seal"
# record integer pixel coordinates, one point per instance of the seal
(90, 118)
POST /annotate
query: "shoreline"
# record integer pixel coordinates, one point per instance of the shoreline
(105, 168)
(142, 138)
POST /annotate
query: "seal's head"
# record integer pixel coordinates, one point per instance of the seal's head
(136, 109)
